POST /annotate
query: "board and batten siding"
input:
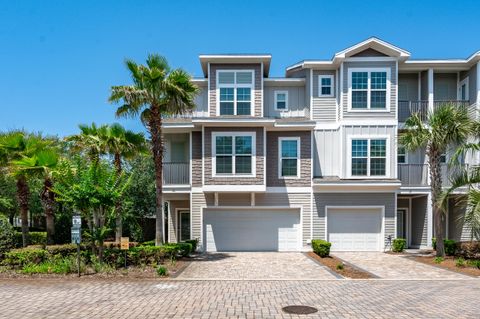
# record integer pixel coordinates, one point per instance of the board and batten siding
(457, 229)
(257, 91)
(326, 153)
(320, 200)
(324, 109)
(259, 156)
(296, 99)
(196, 159)
(393, 89)
(273, 159)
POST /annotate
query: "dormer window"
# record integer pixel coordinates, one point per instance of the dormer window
(234, 89)
(281, 100)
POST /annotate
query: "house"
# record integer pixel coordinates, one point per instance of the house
(268, 163)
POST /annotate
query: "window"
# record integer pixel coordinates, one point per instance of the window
(233, 153)
(289, 154)
(464, 89)
(443, 158)
(325, 85)
(281, 100)
(369, 157)
(235, 92)
(369, 89)
(401, 155)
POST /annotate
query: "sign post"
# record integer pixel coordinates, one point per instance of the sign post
(124, 245)
(77, 237)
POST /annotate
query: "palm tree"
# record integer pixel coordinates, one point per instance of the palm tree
(157, 91)
(88, 140)
(122, 144)
(446, 126)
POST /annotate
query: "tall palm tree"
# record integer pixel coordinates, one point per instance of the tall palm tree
(88, 141)
(446, 126)
(157, 91)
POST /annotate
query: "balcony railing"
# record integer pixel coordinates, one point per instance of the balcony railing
(418, 174)
(187, 115)
(295, 113)
(176, 173)
(457, 103)
(408, 108)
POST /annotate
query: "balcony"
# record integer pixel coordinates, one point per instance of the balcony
(302, 113)
(176, 173)
(408, 108)
(417, 175)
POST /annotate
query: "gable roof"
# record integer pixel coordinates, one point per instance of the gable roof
(205, 59)
(375, 44)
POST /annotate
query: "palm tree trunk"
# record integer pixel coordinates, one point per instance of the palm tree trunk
(118, 205)
(23, 196)
(48, 201)
(155, 127)
(436, 188)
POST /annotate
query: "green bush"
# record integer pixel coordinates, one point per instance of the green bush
(340, 266)
(321, 247)
(145, 255)
(438, 260)
(53, 266)
(194, 243)
(474, 263)
(34, 238)
(162, 271)
(399, 245)
(148, 243)
(23, 256)
(460, 262)
(63, 250)
(185, 249)
(450, 247)
(7, 236)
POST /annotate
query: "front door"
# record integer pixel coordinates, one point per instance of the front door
(402, 223)
(184, 229)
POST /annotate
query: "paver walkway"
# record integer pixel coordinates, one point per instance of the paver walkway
(255, 266)
(387, 266)
(46, 298)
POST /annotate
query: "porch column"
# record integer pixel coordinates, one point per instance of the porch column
(430, 90)
(429, 220)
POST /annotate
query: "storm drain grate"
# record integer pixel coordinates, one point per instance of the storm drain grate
(299, 310)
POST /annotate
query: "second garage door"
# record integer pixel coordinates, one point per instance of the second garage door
(252, 230)
(354, 229)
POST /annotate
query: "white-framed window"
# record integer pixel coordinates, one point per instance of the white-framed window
(281, 100)
(402, 155)
(233, 154)
(325, 86)
(369, 157)
(369, 89)
(235, 92)
(289, 157)
(463, 90)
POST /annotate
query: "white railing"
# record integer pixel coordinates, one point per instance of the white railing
(418, 174)
(187, 115)
(295, 113)
(176, 174)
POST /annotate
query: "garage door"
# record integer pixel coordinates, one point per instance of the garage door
(354, 229)
(252, 230)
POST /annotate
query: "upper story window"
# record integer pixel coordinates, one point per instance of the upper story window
(325, 85)
(233, 154)
(369, 157)
(401, 154)
(289, 155)
(369, 89)
(463, 94)
(235, 92)
(281, 100)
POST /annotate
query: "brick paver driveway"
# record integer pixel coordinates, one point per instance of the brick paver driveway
(389, 266)
(255, 266)
(47, 298)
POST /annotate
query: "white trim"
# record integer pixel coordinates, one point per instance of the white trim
(289, 189)
(419, 87)
(396, 93)
(373, 43)
(371, 59)
(275, 98)
(409, 241)
(280, 140)
(466, 82)
(340, 94)
(203, 155)
(311, 94)
(430, 89)
(332, 85)
(407, 226)
(264, 156)
(381, 208)
(369, 90)
(209, 92)
(429, 220)
(233, 154)
(190, 160)
(178, 225)
(478, 84)
(337, 97)
(368, 138)
(236, 86)
(233, 188)
(262, 91)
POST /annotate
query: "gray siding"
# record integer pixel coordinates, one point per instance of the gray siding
(320, 200)
(201, 99)
(258, 91)
(424, 85)
(472, 83)
(393, 89)
(304, 73)
(324, 108)
(408, 87)
(305, 159)
(196, 159)
(368, 53)
(210, 180)
(296, 99)
(234, 199)
(419, 221)
(326, 153)
(457, 229)
(173, 226)
(445, 86)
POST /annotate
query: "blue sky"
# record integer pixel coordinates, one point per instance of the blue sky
(58, 59)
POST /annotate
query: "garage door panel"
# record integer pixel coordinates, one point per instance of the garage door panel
(261, 230)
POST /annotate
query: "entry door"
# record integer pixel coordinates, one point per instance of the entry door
(184, 224)
(402, 223)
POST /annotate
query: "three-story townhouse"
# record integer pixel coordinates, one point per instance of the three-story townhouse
(269, 163)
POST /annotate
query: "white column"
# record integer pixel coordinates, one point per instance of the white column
(429, 220)
(430, 90)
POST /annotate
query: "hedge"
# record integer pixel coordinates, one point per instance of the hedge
(321, 247)
(34, 238)
(399, 245)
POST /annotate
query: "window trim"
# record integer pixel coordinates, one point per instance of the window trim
(369, 138)
(465, 82)
(235, 86)
(332, 85)
(275, 93)
(369, 89)
(290, 138)
(233, 135)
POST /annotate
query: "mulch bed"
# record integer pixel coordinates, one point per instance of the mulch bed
(348, 271)
(449, 264)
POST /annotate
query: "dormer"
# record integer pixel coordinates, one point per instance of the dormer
(372, 48)
(235, 84)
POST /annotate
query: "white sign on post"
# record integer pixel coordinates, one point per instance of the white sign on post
(76, 221)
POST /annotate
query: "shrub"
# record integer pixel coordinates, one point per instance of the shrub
(162, 271)
(7, 236)
(321, 247)
(474, 263)
(143, 255)
(34, 238)
(23, 256)
(171, 250)
(148, 243)
(194, 243)
(53, 266)
(469, 250)
(460, 262)
(450, 247)
(434, 243)
(185, 249)
(340, 266)
(63, 250)
(438, 260)
(399, 245)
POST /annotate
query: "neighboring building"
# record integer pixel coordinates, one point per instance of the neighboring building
(272, 163)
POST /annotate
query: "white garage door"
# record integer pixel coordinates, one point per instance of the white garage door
(354, 229)
(252, 230)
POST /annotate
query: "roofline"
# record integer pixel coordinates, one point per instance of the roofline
(265, 59)
(375, 39)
